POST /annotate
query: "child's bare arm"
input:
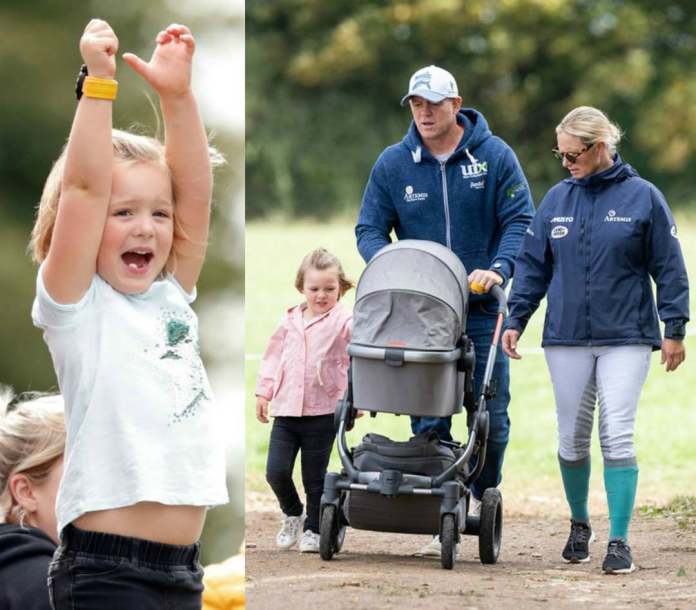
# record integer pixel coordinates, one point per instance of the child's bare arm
(169, 73)
(86, 185)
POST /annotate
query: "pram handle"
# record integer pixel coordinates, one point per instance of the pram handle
(499, 295)
(381, 353)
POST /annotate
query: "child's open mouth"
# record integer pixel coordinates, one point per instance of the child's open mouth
(137, 260)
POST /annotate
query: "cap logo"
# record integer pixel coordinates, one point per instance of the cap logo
(422, 80)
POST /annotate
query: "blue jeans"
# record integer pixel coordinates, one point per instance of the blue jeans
(93, 570)
(479, 328)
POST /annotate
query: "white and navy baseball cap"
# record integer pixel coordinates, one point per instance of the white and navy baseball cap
(432, 83)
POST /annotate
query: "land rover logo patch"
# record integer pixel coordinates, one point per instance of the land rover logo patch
(558, 232)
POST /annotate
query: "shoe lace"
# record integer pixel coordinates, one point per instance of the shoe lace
(579, 533)
(617, 548)
(291, 525)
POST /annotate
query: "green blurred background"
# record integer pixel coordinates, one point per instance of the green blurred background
(323, 85)
(531, 481)
(324, 80)
(39, 61)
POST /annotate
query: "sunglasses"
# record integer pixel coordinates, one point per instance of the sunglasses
(571, 157)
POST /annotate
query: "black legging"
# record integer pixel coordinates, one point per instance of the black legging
(314, 436)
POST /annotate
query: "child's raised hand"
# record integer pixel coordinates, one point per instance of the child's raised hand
(169, 70)
(98, 47)
(262, 409)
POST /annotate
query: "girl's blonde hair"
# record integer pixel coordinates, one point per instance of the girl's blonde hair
(32, 439)
(591, 125)
(128, 148)
(322, 259)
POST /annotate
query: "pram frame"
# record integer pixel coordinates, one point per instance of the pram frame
(451, 486)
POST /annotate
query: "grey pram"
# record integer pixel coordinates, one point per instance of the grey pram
(410, 356)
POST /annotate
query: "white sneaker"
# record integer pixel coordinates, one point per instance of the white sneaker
(309, 542)
(474, 506)
(290, 531)
(433, 548)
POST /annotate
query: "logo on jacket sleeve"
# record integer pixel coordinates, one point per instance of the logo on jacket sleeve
(514, 189)
(411, 196)
(673, 231)
(612, 217)
(558, 232)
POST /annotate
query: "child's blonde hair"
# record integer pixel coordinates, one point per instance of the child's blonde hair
(322, 259)
(128, 148)
(32, 439)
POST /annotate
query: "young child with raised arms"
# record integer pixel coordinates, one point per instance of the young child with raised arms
(120, 236)
(303, 373)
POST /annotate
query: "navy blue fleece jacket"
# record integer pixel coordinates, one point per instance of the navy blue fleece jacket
(477, 203)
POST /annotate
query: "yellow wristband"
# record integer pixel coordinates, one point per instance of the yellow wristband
(100, 88)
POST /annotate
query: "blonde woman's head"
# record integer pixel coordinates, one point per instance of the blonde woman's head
(32, 442)
(591, 125)
(586, 141)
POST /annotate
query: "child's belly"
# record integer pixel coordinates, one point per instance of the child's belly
(149, 521)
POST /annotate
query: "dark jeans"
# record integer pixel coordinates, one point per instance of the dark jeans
(95, 571)
(314, 437)
(479, 328)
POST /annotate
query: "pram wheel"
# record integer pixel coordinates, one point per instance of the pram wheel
(331, 533)
(491, 525)
(448, 542)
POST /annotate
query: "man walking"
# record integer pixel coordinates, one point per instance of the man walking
(450, 180)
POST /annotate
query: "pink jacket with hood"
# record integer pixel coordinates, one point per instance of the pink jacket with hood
(304, 368)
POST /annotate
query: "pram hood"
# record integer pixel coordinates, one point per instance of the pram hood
(413, 294)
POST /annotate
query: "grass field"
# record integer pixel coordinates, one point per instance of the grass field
(666, 427)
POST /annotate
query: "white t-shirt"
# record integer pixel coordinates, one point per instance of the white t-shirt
(139, 410)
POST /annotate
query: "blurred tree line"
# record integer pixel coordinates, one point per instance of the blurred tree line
(324, 80)
(39, 62)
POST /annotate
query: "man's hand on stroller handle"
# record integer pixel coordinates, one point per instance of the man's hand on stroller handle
(482, 280)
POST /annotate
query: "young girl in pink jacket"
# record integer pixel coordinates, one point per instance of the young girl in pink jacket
(304, 373)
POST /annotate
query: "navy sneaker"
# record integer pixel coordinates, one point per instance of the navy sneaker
(618, 559)
(577, 549)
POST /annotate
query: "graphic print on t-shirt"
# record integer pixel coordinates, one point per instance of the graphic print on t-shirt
(179, 352)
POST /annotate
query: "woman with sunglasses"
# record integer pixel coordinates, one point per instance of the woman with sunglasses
(597, 240)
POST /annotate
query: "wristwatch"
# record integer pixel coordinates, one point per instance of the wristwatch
(80, 81)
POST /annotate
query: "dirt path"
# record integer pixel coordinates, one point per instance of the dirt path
(376, 570)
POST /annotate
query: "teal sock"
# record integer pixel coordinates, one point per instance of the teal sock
(576, 482)
(621, 483)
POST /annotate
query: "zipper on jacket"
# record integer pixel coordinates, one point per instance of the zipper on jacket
(446, 203)
(588, 270)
